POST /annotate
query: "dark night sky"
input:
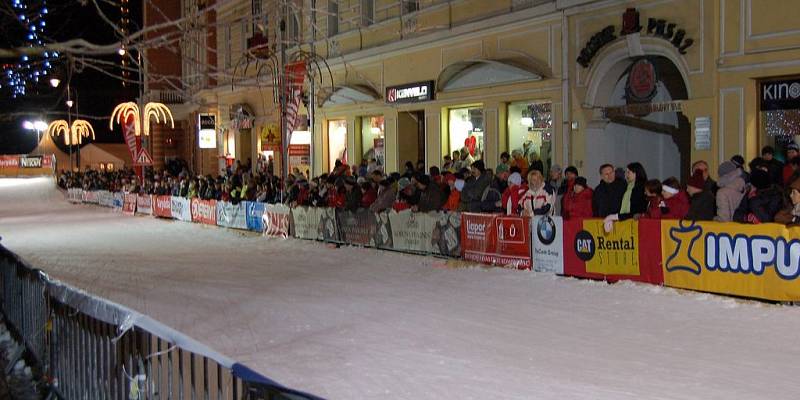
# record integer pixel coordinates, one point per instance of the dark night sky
(97, 94)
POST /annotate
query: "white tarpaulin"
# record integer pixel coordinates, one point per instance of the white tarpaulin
(181, 209)
(548, 244)
(231, 216)
(144, 204)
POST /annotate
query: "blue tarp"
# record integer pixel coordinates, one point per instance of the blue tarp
(255, 212)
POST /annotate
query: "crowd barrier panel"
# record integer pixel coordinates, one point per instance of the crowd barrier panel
(89, 196)
(631, 251)
(277, 220)
(231, 215)
(119, 201)
(129, 204)
(496, 239)
(255, 215)
(204, 211)
(756, 261)
(144, 204)
(92, 348)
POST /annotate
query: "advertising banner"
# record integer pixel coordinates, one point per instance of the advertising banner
(276, 220)
(90, 196)
(413, 231)
(119, 201)
(761, 261)
(547, 235)
(9, 161)
(305, 221)
(328, 229)
(620, 254)
(255, 213)
(496, 239)
(30, 161)
(75, 195)
(129, 204)
(144, 204)
(163, 206)
(105, 198)
(357, 227)
(47, 161)
(446, 236)
(231, 216)
(181, 208)
(204, 211)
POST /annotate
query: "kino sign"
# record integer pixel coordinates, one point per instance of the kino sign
(410, 93)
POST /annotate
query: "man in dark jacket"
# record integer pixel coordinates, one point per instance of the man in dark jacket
(474, 187)
(430, 198)
(702, 200)
(608, 194)
(763, 201)
(492, 198)
(774, 166)
(352, 194)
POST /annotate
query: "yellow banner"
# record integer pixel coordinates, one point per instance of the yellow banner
(761, 261)
(616, 253)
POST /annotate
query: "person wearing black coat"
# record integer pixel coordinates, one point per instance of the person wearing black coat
(353, 194)
(763, 201)
(491, 200)
(774, 166)
(702, 198)
(430, 198)
(608, 194)
(634, 201)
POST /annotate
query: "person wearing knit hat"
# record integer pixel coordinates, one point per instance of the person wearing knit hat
(431, 198)
(403, 183)
(502, 168)
(790, 215)
(515, 179)
(454, 195)
(702, 203)
(731, 190)
(578, 202)
(676, 201)
(515, 190)
(459, 184)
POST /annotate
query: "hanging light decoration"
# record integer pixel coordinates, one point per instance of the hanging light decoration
(123, 111)
(19, 76)
(72, 134)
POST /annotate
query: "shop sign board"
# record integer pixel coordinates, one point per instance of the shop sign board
(410, 93)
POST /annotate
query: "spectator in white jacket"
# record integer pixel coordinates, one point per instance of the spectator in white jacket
(540, 197)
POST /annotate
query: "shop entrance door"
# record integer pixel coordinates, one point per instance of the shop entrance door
(410, 137)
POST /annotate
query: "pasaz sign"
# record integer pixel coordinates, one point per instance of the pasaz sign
(207, 136)
(410, 93)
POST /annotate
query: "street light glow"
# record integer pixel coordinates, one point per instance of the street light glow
(54, 82)
(28, 125)
(40, 125)
(69, 103)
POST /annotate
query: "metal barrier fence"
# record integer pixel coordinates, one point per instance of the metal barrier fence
(90, 348)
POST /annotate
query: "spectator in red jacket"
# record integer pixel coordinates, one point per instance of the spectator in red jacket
(656, 206)
(792, 151)
(513, 193)
(675, 198)
(369, 194)
(578, 201)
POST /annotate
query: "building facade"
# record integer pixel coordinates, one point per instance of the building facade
(573, 82)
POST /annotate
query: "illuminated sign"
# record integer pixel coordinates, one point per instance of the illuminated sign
(207, 124)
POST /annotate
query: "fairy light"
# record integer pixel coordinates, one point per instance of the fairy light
(28, 70)
(72, 134)
(158, 111)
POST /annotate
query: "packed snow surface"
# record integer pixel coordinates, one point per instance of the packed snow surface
(353, 323)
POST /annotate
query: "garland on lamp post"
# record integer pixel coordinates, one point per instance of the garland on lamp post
(72, 134)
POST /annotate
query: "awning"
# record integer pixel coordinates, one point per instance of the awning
(347, 94)
(482, 72)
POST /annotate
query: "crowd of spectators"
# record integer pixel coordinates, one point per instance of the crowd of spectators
(764, 190)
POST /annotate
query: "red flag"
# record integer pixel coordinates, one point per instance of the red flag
(295, 74)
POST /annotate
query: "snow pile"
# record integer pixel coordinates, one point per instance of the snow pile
(353, 323)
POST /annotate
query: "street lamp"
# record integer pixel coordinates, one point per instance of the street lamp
(54, 82)
(37, 126)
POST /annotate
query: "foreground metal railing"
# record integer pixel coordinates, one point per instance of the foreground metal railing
(90, 348)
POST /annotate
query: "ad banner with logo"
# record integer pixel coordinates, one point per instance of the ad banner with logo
(105, 198)
(163, 206)
(75, 195)
(90, 196)
(496, 239)
(9, 161)
(276, 220)
(255, 214)
(760, 261)
(129, 204)
(204, 211)
(412, 231)
(620, 254)
(548, 244)
(231, 215)
(181, 208)
(144, 204)
(305, 221)
(357, 227)
(119, 201)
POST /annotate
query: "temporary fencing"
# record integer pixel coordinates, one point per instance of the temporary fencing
(758, 261)
(91, 348)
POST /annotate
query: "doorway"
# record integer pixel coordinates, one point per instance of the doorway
(411, 137)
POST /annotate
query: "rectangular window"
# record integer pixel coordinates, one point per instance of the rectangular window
(256, 12)
(243, 37)
(367, 12)
(333, 18)
(530, 132)
(227, 46)
(466, 134)
(372, 139)
(410, 6)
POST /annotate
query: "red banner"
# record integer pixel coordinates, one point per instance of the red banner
(9, 161)
(129, 204)
(47, 161)
(496, 239)
(163, 206)
(204, 211)
(629, 252)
